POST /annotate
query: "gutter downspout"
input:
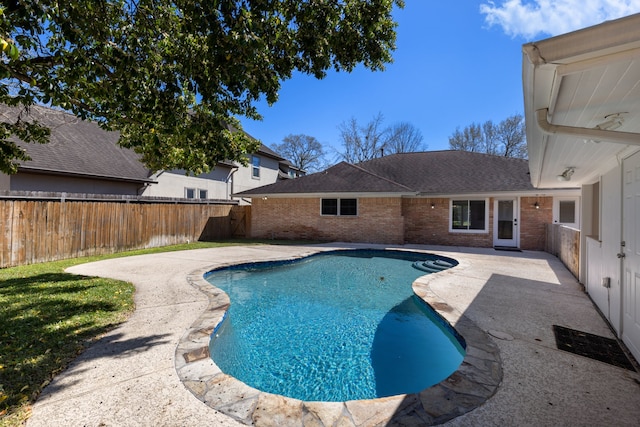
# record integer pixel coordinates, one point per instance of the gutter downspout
(595, 134)
(230, 180)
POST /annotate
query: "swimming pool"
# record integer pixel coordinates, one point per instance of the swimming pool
(337, 326)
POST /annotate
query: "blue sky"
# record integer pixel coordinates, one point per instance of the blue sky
(456, 63)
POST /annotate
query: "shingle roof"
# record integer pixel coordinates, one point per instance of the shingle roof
(341, 178)
(431, 172)
(78, 147)
(269, 152)
(453, 171)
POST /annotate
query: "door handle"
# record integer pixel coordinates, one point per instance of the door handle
(621, 255)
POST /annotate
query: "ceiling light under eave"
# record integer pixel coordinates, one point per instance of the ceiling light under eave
(611, 122)
(567, 174)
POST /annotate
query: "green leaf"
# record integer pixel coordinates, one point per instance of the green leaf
(185, 69)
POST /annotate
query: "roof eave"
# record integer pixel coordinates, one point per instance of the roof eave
(337, 194)
(542, 65)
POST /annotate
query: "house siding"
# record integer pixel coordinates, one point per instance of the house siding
(24, 181)
(174, 183)
(389, 220)
(243, 179)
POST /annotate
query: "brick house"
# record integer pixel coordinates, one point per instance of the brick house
(439, 198)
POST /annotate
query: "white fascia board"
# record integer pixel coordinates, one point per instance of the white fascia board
(323, 195)
(539, 192)
(538, 87)
(603, 39)
(531, 193)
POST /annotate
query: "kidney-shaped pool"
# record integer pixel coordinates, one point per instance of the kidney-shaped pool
(335, 326)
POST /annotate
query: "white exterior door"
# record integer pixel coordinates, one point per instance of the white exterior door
(604, 262)
(631, 252)
(505, 223)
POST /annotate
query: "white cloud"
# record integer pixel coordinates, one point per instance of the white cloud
(532, 18)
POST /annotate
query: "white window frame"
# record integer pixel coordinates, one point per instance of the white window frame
(255, 168)
(186, 193)
(556, 211)
(202, 191)
(467, 231)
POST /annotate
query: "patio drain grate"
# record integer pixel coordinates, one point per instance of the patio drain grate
(605, 350)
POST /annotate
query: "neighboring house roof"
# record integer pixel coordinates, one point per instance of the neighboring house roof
(285, 167)
(432, 172)
(82, 148)
(266, 151)
(77, 147)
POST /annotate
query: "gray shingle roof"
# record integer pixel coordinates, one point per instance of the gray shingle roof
(77, 147)
(453, 171)
(431, 172)
(341, 178)
(269, 152)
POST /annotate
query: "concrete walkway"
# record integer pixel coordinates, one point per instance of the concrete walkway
(129, 376)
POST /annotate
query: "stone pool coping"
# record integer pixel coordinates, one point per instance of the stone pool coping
(472, 384)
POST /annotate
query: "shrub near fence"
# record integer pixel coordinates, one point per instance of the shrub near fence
(39, 230)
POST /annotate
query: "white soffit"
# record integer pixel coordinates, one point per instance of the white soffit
(581, 78)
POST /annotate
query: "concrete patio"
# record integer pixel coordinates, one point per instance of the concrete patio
(134, 376)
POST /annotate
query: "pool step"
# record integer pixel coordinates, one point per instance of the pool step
(432, 266)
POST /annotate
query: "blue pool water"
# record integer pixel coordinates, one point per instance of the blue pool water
(337, 326)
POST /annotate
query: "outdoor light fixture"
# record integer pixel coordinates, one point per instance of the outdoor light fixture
(433, 205)
(567, 174)
(536, 205)
(611, 122)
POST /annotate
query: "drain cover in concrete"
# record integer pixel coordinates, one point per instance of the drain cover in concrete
(605, 350)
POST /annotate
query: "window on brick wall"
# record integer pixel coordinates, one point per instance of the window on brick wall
(469, 216)
(340, 207)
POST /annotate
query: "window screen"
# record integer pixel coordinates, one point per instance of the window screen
(348, 207)
(342, 207)
(468, 215)
(567, 211)
(255, 167)
(329, 206)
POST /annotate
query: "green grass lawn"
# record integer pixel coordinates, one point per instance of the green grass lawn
(48, 317)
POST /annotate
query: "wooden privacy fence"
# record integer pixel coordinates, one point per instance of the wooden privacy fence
(45, 230)
(564, 242)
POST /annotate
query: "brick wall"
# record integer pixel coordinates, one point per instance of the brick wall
(379, 220)
(532, 221)
(389, 220)
(430, 226)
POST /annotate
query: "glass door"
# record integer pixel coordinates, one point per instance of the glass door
(505, 229)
